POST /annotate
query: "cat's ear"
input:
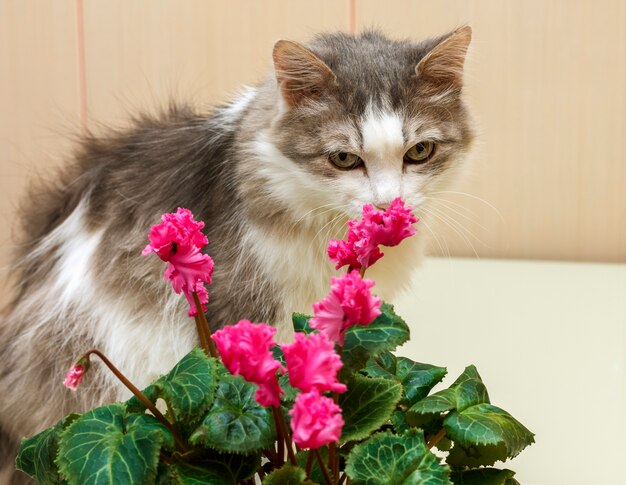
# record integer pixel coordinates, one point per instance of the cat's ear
(300, 73)
(442, 68)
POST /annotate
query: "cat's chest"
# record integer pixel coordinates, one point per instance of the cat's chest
(299, 268)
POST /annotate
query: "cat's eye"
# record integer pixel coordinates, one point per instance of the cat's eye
(420, 152)
(345, 160)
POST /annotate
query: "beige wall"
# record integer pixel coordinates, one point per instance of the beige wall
(545, 78)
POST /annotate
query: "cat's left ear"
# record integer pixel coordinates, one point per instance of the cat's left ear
(300, 74)
(442, 68)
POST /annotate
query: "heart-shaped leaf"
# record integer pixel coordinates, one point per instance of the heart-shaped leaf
(235, 422)
(466, 391)
(287, 475)
(484, 476)
(385, 333)
(488, 432)
(103, 446)
(367, 405)
(186, 474)
(386, 458)
(188, 389)
(417, 379)
(38, 453)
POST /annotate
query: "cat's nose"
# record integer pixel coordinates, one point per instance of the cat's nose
(382, 206)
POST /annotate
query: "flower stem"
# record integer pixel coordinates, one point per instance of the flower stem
(287, 436)
(279, 435)
(435, 439)
(331, 456)
(139, 395)
(201, 335)
(205, 327)
(309, 462)
(322, 467)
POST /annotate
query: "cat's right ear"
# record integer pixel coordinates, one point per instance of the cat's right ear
(300, 74)
(442, 68)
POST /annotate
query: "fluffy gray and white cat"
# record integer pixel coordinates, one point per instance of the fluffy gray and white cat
(275, 174)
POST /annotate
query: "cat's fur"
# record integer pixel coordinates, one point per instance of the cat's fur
(257, 172)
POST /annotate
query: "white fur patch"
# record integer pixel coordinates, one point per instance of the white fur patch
(383, 148)
(143, 343)
(382, 133)
(233, 111)
(75, 247)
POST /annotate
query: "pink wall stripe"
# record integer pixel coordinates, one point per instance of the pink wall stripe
(80, 66)
(352, 16)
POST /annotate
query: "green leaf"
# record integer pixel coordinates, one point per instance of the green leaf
(286, 475)
(150, 423)
(214, 467)
(485, 425)
(417, 379)
(185, 474)
(364, 341)
(466, 391)
(399, 422)
(367, 405)
(238, 467)
(37, 454)
(484, 476)
(290, 392)
(301, 323)
(102, 446)
(236, 422)
(386, 458)
(188, 389)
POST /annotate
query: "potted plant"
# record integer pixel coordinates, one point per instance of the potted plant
(334, 406)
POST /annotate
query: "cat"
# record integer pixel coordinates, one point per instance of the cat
(344, 121)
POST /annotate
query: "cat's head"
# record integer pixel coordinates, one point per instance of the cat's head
(364, 119)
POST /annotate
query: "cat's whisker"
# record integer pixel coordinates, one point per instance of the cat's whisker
(475, 197)
(455, 211)
(425, 224)
(454, 225)
(438, 217)
(449, 202)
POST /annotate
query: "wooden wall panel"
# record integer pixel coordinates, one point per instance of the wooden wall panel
(140, 53)
(546, 82)
(38, 100)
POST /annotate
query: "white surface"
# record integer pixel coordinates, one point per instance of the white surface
(549, 340)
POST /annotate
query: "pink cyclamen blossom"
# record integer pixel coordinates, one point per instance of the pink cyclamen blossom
(268, 393)
(188, 270)
(178, 240)
(179, 228)
(376, 227)
(245, 350)
(350, 302)
(391, 226)
(313, 363)
(315, 420)
(74, 376)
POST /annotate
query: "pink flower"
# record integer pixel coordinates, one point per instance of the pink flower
(178, 241)
(245, 350)
(313, 363)
(392, 226)
(179, 228)
(268, 393)
(74, 376)
(315, 420)
(386, 228)
(188, 270)
(350, 302)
